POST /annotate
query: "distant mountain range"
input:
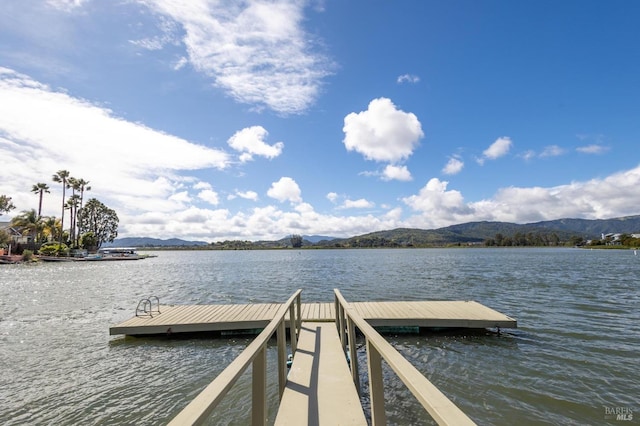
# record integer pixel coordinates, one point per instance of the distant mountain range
(152, 242)
(141, 242)
(316, 238)
(476, 232)
(472, 232)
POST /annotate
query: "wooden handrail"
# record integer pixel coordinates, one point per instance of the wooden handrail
(202, 405)
(443, 411)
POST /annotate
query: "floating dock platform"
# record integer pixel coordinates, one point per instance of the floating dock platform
(169, 319)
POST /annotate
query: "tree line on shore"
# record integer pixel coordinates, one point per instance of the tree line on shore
(90, 224)
(530, 239)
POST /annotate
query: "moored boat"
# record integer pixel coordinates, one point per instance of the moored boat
(115, 253)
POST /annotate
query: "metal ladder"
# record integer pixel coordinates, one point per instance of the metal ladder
(145, 307)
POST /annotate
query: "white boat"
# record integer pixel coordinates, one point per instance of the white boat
(115, 253)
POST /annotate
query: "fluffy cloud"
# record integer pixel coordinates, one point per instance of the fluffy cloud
(358, 204)
(453, 166)
(382, 132)
(332, 196)
(209, 196)
(181, 197)
(286, 189)
(250, 141)
(392, 172)
(594, 199)
(434, 200)
(256, 51)
(497, 149)
(247, 195)
(435, 206)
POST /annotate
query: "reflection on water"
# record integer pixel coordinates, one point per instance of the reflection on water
(574, 354)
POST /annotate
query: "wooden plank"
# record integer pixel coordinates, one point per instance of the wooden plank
(320, 389)
(214, 313)
(306, 307)
(198, 315)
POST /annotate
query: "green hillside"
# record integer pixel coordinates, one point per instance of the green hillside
(540, 233)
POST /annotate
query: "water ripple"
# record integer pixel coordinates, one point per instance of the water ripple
(574, 353)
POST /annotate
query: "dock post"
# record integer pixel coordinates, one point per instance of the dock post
(292, 329)
(340, 323)
(376, 386)
(299, 307)
(353, 354)
(281, 337)
(343, 325)
(259, 389)
(337, 311)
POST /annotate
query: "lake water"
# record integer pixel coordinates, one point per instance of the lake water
(573, 359)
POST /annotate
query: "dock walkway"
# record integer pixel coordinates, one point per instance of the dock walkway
(320, 390)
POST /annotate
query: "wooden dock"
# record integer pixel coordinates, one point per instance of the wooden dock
(321, 388)
(220, 318)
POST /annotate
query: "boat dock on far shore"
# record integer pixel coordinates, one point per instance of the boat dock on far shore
(103, 254)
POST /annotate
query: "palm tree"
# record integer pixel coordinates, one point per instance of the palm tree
(50, 227)
(40, 188)
(61, 177)
(72, 204)
(80, 185)
(71, 184)
(28, 223)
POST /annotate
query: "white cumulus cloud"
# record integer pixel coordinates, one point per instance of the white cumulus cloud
(382, 132)
(392, 172)
(496, 150)
(250, 141)
(453, 166)
(209, 196)
(434, 199)
(286, 189)
(247, 195)
(358, 204)
(613, 196)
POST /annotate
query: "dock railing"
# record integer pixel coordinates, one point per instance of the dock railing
(255, 354)
(441, 409)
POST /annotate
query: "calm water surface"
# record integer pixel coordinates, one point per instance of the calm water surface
(573, 358)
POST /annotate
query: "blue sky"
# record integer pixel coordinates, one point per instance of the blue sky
(215, 120)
